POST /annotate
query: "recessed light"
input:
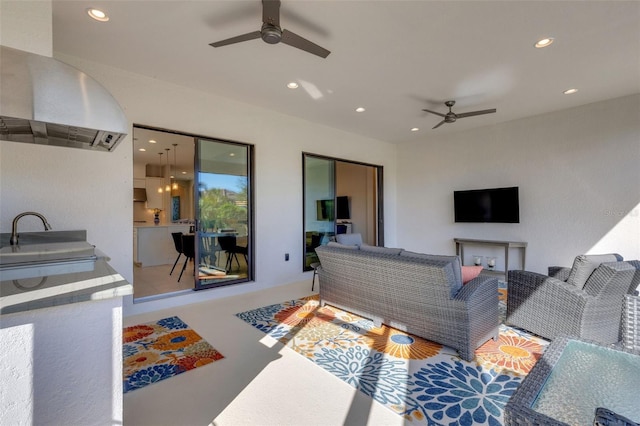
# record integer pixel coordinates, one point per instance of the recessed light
(292, 85)
(142, 150)
(184, 173)
(232, 154)
(97, 14)
(414, 129)
(570, 91)
(543, 43)
(360, 109)
(152, 141)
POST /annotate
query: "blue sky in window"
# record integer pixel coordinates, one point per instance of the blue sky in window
(229, 182)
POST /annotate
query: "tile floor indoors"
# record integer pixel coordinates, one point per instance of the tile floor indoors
(155, 280)
(259, 382)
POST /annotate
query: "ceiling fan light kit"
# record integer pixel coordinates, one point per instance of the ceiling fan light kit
(451, 117)
(271, 32)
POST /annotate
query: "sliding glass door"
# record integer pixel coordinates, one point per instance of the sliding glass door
(224, 237)
(340, 197)
(319, 208)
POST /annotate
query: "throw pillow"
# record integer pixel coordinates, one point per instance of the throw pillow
(470, 272)
(584, 265)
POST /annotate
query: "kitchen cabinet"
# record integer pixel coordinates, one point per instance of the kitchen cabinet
(155, 198)
(154, 245)
(139, 183)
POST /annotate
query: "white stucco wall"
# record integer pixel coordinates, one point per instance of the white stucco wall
(62, 365)
(579, 176)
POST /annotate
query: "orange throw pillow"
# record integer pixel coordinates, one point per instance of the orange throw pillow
(470, 272)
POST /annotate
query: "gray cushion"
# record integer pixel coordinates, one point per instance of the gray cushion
(349, 239)
(584, 265)
(455, 264)
(384, 250)
(344, 246)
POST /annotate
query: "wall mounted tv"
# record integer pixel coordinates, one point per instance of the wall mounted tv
(495, 205)
(324, 210)
(342, 207)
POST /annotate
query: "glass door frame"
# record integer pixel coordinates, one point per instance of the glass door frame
(250, 212)
(379, 194)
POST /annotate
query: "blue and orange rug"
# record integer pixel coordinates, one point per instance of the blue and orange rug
(423, 381)
(161, 349)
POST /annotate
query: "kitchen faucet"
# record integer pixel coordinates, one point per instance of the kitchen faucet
(14, 227)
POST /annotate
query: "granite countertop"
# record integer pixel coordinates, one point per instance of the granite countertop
(103, 282)
(53, 268)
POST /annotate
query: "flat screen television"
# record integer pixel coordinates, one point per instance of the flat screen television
(495, 205)
(324, 210)
(342, 207)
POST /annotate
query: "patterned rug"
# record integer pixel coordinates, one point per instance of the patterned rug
(423, 381)
(161, 349)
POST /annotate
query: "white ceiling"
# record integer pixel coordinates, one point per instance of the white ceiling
(392, 57)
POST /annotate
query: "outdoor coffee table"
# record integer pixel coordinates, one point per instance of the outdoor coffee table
(571, 380)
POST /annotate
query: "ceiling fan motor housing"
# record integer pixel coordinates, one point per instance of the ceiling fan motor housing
(270, 33)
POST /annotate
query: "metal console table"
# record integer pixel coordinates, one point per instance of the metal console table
(521, 245)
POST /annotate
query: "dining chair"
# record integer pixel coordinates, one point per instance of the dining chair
(189, 250)
(228, 243)
(177, 242)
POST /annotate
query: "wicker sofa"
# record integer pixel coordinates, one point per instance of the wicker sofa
(420, 294)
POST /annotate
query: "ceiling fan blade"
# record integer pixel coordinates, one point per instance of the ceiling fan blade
(434, 112)
(237, 39)
(438, 125)
(472, 113)
(271, 12)
(292, 39)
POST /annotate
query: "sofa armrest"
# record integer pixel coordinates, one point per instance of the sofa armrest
(525, 283)
(482, 287)
(559, 272)
(544, 305)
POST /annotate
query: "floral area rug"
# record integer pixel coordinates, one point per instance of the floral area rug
(161, 349)
(423, 381)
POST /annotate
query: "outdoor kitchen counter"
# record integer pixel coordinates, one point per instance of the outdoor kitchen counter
(103, 282)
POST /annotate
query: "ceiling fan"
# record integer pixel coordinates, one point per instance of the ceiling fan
(272, 33)
(451, 117)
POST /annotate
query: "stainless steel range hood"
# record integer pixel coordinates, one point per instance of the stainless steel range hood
(45, 101)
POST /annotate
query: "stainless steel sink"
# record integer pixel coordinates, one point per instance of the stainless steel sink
(41, 254)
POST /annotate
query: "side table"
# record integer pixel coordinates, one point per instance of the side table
(571, 380)
(507, 245)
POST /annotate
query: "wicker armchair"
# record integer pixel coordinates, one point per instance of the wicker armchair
(549, 306)
(631, 323)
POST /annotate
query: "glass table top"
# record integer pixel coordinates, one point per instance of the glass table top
(588, 376)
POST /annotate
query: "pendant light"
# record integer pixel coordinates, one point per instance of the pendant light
(167, 188)
(174, 186)
(160, 190)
